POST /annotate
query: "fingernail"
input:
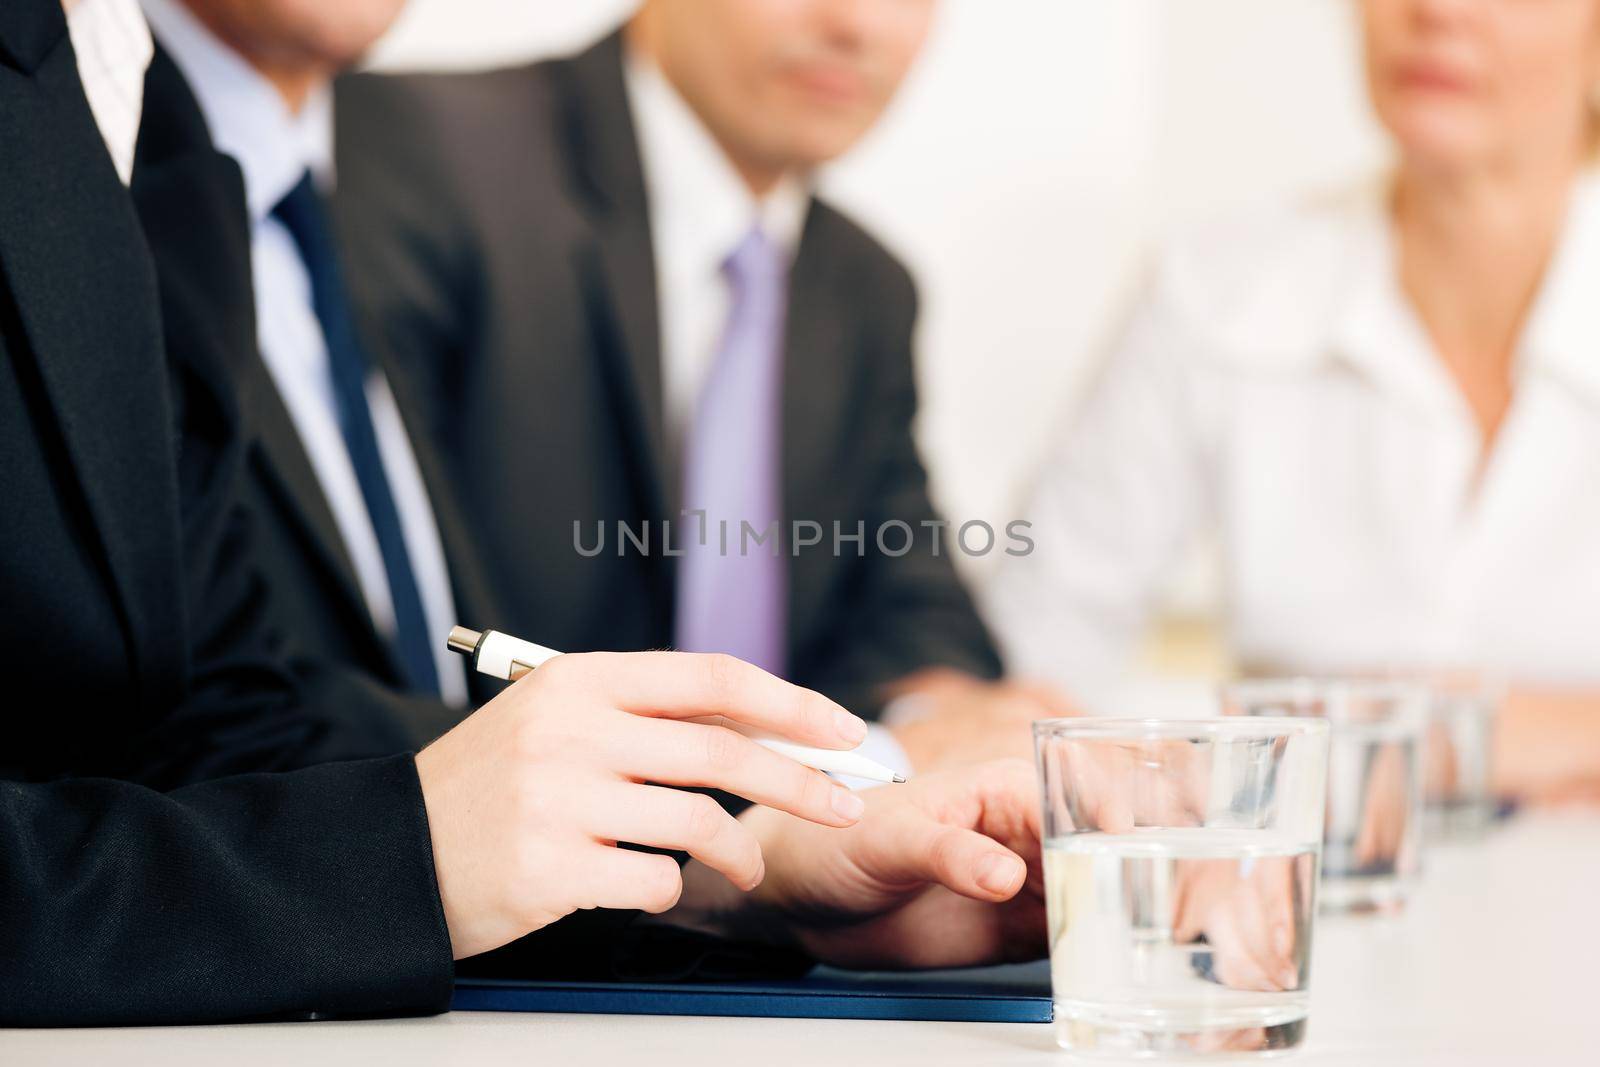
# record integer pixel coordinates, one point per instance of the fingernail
(847, 805)
(761, 873)
(997, 874)
(849, 727)
(1289, 977)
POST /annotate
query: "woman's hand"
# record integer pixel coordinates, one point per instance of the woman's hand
(1547, 746)
(528, 797)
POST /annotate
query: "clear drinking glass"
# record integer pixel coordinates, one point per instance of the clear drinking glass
(1371, 848)
(1457, 762)
(1180, 863)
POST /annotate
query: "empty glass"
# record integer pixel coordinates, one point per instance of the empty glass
(1180, 864)
(1371, 847)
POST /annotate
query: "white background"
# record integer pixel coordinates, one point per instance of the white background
(1037, 152)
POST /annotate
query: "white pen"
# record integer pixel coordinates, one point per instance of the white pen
(509, 658)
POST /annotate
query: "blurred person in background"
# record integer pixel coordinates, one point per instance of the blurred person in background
(620, 303)
(1384, 404)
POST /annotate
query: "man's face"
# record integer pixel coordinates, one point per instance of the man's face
(326, 34)
(788, 83)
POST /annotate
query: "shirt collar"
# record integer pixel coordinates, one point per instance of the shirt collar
(1375, 330)
(247, 117)
(113, 48)
(1563, 335)
(700, 209)
(1378, 332)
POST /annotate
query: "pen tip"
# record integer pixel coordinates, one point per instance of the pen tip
(900, 779)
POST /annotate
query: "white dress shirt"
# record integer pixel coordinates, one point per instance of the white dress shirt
(250, 121)
(1276, 388)
(112, 43)
(700, 210)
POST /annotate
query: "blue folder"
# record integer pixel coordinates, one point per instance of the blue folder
(1018, 993)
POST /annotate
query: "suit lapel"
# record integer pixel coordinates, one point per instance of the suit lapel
(280, 460)
(819, 370)
(29, 30)
(618, 267)
(191, 200)
(623, 315)
(476, 604)
(86, 299)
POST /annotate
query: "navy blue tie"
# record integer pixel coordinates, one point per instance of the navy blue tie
(303, 214)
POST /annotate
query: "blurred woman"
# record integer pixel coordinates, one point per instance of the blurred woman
(1385, 404)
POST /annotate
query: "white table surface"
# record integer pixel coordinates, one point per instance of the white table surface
(1495, 963)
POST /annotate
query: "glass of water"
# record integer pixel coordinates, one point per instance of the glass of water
(1180, 863)
(1371, 849)
(1457, 763)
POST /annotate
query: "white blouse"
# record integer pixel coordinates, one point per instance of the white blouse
(1275, 388)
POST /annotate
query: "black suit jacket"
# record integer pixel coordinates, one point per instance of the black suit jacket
(133, 642)
(498, 234)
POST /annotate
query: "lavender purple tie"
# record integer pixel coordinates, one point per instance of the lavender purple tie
(733, 587)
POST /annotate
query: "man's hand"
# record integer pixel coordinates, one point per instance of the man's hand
(528, 797)
(941, 872)
(962, 720)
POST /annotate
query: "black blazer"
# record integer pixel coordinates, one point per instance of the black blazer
(133, 639)
(499, 240)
